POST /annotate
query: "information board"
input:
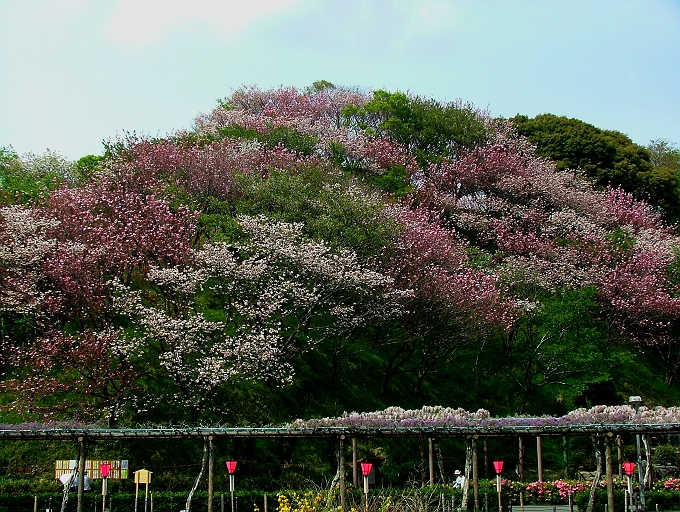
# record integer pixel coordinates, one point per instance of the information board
(119, 468)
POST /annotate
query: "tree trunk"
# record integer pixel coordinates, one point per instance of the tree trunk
(565, 448)
(647, 442)
(204, 463)
(440, 461)
(475, 472)
(468, 472)
(598, 473)
(422, 462)
(520, 466)
(82, 456)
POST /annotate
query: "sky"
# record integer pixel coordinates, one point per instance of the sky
(74, 73)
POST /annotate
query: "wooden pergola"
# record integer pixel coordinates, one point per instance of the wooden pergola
(342, 433)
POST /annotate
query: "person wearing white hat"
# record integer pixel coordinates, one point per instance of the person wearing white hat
(459, 479)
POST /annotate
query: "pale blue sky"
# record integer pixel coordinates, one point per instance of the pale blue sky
(76, 72)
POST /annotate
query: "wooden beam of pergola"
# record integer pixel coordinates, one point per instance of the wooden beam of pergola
(60, 433)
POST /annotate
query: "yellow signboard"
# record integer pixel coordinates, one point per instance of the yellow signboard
(119, 468)
(143, 476)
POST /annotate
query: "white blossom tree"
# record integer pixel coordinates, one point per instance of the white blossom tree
(262, 301)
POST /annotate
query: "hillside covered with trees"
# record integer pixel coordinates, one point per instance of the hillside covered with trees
(300, 253)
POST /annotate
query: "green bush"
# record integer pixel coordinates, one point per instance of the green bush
(666, 500)
(600, 502)
(665, 455)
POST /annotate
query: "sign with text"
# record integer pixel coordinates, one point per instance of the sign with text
(118, 471)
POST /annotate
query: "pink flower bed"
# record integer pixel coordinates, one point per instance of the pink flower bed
(552, 492)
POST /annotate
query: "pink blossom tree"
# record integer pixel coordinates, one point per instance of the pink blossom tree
(59, 260)
(546, 230)
(104, 230)
(450, 304)
(84, 377)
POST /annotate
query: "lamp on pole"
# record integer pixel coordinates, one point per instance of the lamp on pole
(636, 401)
(366, 468)
(498, 467)
(628, 468)
(104, 471)
(231, 468)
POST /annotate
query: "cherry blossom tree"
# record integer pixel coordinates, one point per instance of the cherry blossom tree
(451, 304)
(543, 230)
(82, 377)
(103, 230)
(272, 297)
(315, 113)
(58, 261)
(24, 245)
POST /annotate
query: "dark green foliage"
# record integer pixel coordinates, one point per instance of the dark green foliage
(291, 139)
(574, 144)
(550, 360)
(665, 455)
(599, 393)
(333, 207)
(600, 501)
(608, 157)
(664, 500)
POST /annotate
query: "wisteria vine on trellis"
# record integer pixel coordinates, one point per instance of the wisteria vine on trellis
(438, 416)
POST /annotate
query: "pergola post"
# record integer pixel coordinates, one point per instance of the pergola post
(355, 473)
(619, 453)
(475, 472)
(565, 449)
(430, 448)
(521, 459)
(539, 456)
(211, 474)
(341, 462)
(468, 472)
(82, 454)
(422, 462)
(486, 458)
(609, 469)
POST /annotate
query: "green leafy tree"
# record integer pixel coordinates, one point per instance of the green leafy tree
(27, 178)
(607, 157)
(430, 129)
(87, 166)
(551, 356)
(7, 156)
(664, 153)
(320, 85)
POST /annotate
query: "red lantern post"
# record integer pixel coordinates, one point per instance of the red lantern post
(498, 467)
(231, 468)
(629, 469)
(104, 471)
(366, 468)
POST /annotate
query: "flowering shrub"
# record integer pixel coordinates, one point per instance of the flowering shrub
(672, 484)
(553, 492)
(307, 502)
